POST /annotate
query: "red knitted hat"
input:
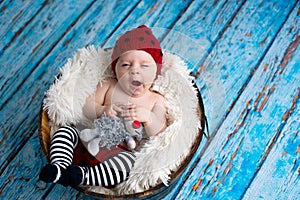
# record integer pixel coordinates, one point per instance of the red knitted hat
(140, 38)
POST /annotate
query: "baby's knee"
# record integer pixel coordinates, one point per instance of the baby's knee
(68, 132)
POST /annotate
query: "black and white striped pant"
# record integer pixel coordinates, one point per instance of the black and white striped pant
(108, 173)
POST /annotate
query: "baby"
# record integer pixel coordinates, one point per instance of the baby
(136, 62)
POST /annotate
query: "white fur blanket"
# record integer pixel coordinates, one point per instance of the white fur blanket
(161, 154)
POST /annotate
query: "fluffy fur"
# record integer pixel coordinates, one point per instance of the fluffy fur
(158, 156)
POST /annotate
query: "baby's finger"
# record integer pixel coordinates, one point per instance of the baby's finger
(132, 112)
(117, 108)
(119, 104)
(123, 113)
(116, 117)
(110, 112)
(130, 106)
(129, 118)
(126, 113)
(113, 114)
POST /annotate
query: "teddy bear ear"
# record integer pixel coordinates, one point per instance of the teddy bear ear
(93, 146)
(87, 135)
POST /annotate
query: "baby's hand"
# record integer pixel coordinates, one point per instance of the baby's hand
(113, 110)
(133, 112)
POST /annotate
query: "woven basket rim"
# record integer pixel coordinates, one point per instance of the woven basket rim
(44, 136)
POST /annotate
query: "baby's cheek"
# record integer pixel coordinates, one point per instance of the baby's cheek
(149, 79)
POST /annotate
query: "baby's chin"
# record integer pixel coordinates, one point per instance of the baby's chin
(139, 92)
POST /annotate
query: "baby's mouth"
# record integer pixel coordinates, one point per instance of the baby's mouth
(136, 83)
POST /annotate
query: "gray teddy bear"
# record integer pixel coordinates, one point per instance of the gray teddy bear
(108, 132)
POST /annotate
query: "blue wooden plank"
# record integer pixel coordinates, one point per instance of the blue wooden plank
(240, 48)
(80, 35)
(202, 25)
(252, 127)
(278, 177)
(188, 39)
(17, 63)
(36, 39)
(158, 15)
(14, 16)
(20, 113)
(61, 192)
(19, 179)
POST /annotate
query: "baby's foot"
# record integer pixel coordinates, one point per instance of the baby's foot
(54, 174)
(77, 175)
(50, 173)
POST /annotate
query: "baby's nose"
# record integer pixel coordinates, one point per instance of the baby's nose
(135, 70)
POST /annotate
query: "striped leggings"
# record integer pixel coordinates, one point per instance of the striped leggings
(108, 173)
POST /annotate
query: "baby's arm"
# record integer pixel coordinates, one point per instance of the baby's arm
(157, 120)
(94, 106)
(154, 120)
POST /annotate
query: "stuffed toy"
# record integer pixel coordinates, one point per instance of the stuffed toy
(136, 131)
(108, 132)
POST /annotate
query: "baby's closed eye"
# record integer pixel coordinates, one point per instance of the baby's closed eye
(125, 65)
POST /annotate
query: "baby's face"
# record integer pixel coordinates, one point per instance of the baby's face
(135, 71)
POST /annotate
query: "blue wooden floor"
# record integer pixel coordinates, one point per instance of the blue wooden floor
(246, 53)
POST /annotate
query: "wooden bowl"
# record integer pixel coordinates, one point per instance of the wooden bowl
(156, 192)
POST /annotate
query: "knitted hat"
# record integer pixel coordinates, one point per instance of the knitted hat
(140, 38)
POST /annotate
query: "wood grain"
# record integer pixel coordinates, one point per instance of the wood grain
(19, 179)
(79, 35)
(246, 137)
(238, 51)
(14, 17)
(278, 177)
(19, 111)
(36, 39)
(246, 54)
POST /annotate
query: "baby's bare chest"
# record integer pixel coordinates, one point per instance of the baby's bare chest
(119, 97)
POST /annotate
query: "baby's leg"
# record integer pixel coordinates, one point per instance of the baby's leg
(62, 147)
(109, 173)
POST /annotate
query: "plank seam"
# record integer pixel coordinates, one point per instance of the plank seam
(214, 133)
(48, 52)
(251, 74)
(284, 120)
(119, 24)
(48, 191)
(220, 35)
(239, 92)
(176, 20)
(18, 33)
(289, 112)
(31, 133)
